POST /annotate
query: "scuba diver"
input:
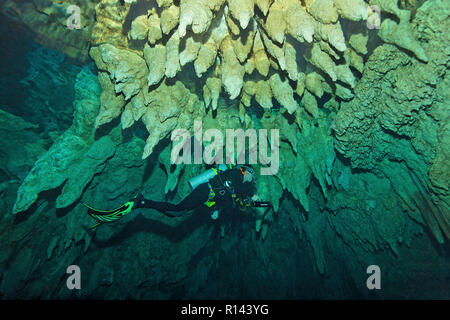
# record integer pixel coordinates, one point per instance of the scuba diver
(217, 188)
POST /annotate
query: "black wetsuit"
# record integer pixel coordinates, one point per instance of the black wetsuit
(224, 185)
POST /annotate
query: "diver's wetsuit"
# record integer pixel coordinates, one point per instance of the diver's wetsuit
(223, 184)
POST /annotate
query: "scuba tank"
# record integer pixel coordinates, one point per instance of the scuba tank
(206, 176)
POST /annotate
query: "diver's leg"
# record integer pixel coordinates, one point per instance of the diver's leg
(196, 198)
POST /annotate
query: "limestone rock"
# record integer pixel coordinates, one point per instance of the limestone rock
(263, 5)
(355, 10)
(313, 83)
(214, 87)
(323, 10)
(154, 28)
(133, 110)
(139, 28)
(72, 160)
(166, 112)
(243, 45)
(48, 20)
(232, 70)
(263, 94)
(290, 56)
(233, 26)
(242, 11)
(172, 56)
(300, 87)
(262, 63)
(323, 61)
(169, 19)
(110, 16)
(190, 51)
(356, 60)
(208, 51)
(127, 69)
(275, 51)
(401, 35)
(310, 104)
(156, 61)
(332, 33)
(300, 24)
(205, 58)
(283, 92)
(164, 3)
(110, 103)
(194, 13)
(358, 42)
(275, 23)
(384, 112)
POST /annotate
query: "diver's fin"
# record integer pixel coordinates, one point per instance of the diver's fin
(105, 216)
(95, 226)
(112, 215)
(98, 211)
